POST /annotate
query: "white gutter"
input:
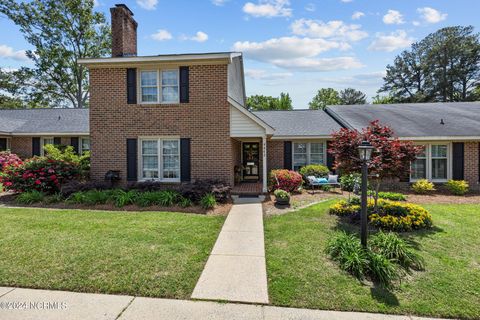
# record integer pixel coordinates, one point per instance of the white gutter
(274, 137)
(441, 138)
(161, 58)
(57, 134)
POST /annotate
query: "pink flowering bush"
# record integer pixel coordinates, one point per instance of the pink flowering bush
(287, 180)
(39, 173)
(9, 159)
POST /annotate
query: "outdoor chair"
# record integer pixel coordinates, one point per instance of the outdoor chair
(319, 182)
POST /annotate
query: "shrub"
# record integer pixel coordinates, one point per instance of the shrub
(389, 195)
(184, 202)
(168, 198)
(382, 269)
(90, 197)
(121, 198)
(208, 201)
(54, 198)
(347, 250)
(39, 173)
(68, 154)
(348, 181)
(148, 198)
(395, 248)
(423, 186)
(30, 197)
(457, 187)
(287, 180)
(391, 215)
(281, 194)
(73, 186)
(9, 159)
(316, 170)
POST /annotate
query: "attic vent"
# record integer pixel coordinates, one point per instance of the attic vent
(59, 117)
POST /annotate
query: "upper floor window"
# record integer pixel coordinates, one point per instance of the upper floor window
(159, 86)
(305, 153)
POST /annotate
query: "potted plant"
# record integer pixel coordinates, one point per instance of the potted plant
(282, 197)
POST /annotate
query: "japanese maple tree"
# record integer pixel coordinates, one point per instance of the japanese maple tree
(390, 159)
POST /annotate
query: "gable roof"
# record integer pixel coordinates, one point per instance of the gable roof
(415, 120)
(299, 123)
(44, 121)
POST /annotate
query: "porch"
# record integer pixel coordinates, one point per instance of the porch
(249, 165)
(248, 189)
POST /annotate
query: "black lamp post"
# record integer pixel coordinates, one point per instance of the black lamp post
(365, 152)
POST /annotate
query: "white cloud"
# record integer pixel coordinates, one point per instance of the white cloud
(260, 74)
(162, 35)
(285, 48)
(357, 15)
(319, 64)
(200, 36)
(416, 23)
(359, 80)
(96, 3)
(346, 1)
(219, 2)
(8, 52)
(335, 29)
(148, 4)
(310, 7)
(268, 8)
(394, 41)
(431, 15)
(393, 17)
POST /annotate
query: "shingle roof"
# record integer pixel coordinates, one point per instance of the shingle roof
(302, 123)
(415, 119)
(44, 121)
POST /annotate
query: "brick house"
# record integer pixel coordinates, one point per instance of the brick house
(183, 117)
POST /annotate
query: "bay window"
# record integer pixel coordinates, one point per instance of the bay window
(160, 159)
(305, 153)
(159, 86)
(433, 163)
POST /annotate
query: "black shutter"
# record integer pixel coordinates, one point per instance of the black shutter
(36, 146)
(479, 162)
(74, 142)
(131, 159)
(57, 141)
(330, 157)
(184, 85)
(131, 86)
(185, 165)
(458, 163)
(287, 155)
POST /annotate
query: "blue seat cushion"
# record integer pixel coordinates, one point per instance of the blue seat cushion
(322, 180)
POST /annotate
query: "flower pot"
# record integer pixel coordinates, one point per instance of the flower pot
(282, 201)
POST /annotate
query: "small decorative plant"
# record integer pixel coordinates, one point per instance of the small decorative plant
(423, 186)
(282, 197)
(316, 170)
(208, 201)
(457, 187)
(287, 180)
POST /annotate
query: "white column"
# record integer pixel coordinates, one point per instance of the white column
(264, 155)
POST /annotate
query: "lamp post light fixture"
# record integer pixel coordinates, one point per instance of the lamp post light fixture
(365, 152)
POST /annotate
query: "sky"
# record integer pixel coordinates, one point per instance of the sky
(296, 46)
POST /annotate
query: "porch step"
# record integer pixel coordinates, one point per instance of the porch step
(242, 200)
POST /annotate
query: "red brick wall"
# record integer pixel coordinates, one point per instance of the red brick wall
(471, 164)
(124, 33)
(274, 155)
(205, 119)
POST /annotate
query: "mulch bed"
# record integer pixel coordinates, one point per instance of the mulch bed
(443, 198)
(8, 200)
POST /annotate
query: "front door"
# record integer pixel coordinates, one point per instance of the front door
(251, 156)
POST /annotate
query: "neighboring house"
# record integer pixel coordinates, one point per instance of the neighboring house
(26, 131)
(448, 132)
(183, 117)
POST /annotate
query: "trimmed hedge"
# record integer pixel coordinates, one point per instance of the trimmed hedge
(287, 180)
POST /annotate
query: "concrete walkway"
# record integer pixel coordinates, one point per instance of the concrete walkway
(16, 304)
(236, 270)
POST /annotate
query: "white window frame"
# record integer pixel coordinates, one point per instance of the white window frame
(80, 147)
(159, 86)
(42, 144)
(160, 159)
(429, 158)
(324, 146)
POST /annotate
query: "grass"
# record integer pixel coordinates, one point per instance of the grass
(300, 274)
(155, 254)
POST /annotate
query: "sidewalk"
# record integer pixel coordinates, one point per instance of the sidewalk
(236, 270)
(61, 305)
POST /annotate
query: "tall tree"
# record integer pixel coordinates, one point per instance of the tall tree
(262, 103)
(444, 66)
(378, 99)
(61, 32)
(352, 96)
(324, 98)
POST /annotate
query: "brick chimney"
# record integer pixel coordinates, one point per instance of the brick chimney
(124, 32)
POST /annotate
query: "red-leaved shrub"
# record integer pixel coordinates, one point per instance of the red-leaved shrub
(287, 180)
(39, 173)
(9, 159)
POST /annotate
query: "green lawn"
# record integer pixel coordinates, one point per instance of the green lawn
(301, 275)
(156, 254)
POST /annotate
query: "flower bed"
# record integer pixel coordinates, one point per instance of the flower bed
(391, 215)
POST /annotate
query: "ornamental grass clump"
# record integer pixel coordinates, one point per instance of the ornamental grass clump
(385, 260)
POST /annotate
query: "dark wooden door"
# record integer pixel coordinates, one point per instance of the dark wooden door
(251, 156)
